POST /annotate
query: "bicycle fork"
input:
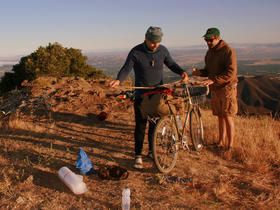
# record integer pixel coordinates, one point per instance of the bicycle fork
(181, 134)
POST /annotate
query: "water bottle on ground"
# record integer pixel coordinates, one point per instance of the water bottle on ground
(126, 199)
(73, 181)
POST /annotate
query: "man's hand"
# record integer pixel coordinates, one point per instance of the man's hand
(114, 83)
(207, 82)
(196, 72)
(184, 77)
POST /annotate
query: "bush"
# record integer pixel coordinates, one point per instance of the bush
(52, 60)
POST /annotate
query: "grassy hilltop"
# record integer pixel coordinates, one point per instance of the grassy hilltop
(31, 155)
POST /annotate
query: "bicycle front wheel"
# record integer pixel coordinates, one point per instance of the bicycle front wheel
(196, 128)
(165, 144)
(35, 113)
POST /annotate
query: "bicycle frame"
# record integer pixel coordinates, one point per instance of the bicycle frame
(188, 106)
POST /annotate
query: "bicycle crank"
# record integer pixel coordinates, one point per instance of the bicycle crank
(185, 143)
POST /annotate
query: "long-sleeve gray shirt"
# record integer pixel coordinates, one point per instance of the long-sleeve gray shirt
(148, 67)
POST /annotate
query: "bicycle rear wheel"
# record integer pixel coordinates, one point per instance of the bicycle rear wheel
(165, 144)
(35, 113)
(196, 128)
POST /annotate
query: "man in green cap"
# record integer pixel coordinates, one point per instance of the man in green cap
(147, 60)
(221, 70)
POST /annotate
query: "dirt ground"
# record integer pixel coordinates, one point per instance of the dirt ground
(31, 157)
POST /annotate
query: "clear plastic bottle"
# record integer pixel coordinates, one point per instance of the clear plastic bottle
(179, 121)
(72, 180)
(126, 199)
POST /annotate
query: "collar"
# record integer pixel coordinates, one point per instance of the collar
(219, 45)
(147, 49)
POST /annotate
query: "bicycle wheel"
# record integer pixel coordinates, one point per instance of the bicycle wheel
(165, 144)
(48, 106)
(196, 128)
(35, 113)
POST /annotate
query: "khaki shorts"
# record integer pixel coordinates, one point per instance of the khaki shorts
(224, 101)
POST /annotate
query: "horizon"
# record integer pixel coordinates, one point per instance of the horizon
(6, 60)
(107, 25)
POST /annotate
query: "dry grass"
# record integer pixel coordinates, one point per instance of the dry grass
(30, 157)
(257, 140)
(257, 150)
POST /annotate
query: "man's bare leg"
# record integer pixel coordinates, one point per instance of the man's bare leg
(222, 131)
(230, 130)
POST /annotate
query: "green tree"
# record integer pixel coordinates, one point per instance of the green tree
(52, 60)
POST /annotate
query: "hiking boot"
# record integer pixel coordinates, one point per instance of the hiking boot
(150, 155)
(138, 162)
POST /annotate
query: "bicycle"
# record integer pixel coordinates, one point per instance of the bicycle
(170, 132)
(36, 109)
(28, 109)
(9, 104)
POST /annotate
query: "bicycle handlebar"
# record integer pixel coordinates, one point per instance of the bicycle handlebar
(191, 82)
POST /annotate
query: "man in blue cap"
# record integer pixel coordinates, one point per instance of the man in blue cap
(146, 59)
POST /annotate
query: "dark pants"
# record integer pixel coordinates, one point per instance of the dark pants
(140, 128)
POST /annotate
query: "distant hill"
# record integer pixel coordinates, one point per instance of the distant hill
(252, 59)
(259, 95)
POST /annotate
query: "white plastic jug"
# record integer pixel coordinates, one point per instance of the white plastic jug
(73, 181)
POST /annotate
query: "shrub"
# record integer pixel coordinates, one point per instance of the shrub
(52, 60)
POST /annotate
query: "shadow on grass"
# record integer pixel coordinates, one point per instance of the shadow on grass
(66, 137)
(90, 120)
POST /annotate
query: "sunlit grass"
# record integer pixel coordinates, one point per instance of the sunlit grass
(257, 139)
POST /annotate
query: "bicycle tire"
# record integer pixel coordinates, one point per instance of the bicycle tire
(165, 144)
(48, 105)
(35, 113)
(196, 129)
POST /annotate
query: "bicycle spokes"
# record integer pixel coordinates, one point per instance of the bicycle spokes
(196, 128)
(165, 145)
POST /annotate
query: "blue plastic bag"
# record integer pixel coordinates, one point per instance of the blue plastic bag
(84, 164)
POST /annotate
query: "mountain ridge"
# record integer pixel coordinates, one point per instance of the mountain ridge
(258, 95)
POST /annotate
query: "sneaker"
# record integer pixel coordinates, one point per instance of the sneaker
(138, 162)
(150, 155)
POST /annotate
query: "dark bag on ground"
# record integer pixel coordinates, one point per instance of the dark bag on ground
(112, 173)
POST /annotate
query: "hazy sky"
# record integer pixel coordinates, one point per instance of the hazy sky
(121, 24)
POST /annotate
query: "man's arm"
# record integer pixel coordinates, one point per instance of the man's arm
(173, 66)
(126, 68)
(124, 71)
(200, 72)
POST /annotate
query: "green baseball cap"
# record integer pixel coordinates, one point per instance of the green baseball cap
(154, 34)
(212, 32)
